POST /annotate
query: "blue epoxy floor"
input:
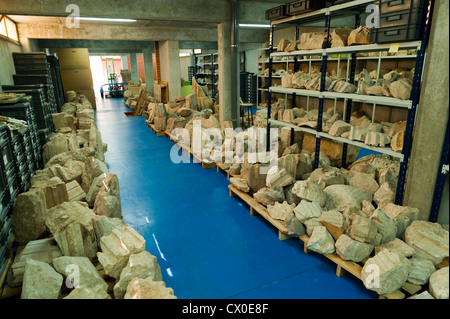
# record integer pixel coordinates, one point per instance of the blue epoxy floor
(207, 243)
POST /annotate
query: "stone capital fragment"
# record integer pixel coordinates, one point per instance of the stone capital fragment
(117, 247)
(429, 240)
(148, 289)
(142, 265)
(321, 241)
(40, 281)
(309, 190)
(386, 272)
(439, 284)
(87, 274)
(306, 210)
(28, 216)
(350, 249)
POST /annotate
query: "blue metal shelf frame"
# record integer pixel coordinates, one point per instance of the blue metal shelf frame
(323, 77)
(348, 111)
(415, 94)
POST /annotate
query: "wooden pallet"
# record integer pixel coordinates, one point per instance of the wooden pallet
(257, 208)
(157, 132)
(206, 164)
(171, 137)
(220, 169)
(226, 171)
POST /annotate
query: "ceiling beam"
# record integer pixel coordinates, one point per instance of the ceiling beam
(121, 33)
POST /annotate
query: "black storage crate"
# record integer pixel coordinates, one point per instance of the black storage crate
(12, 183)
(5, 204)
(302, 6)
(276, 13)
(395, 34)
(6, 154)
(24, 79)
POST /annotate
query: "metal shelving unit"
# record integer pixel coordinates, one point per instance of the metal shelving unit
(212, 75)
(352, 8)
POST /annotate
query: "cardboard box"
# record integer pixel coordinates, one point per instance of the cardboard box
(70, 59)
(74, 80)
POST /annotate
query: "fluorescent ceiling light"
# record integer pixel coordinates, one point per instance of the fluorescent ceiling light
(255, 25)
(105, 19)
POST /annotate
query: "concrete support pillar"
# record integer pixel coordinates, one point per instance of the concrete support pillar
(170, 67)
(432, 116)
(225, 80)
(124, 61)
(148, 67)
(134, 68)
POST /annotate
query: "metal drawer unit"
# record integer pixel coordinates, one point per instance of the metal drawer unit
(302, 6)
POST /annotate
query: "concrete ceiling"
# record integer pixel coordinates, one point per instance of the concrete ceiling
(25, 19)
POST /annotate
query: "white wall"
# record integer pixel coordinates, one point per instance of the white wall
(185, 62)
(6, 61)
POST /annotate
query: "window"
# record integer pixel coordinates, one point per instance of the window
(8, 28)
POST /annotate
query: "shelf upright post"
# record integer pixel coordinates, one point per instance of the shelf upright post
(415, 95)
(348, 112)
(212, 76)
(322, 87)
(294, 96)
(195, 68)
(440, 180)
(269, 94)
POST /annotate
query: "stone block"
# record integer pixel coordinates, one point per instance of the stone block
(240, 183)
(71, 225)
(321, 241)
(279, 177)
(362, 229)
(429, 240)
(386, 272)
(75, 192)
(107, 203)
(386, 226)
(96, 292)
(142, 265)
(54, 190)
(439, 284)
(28, 216)
(88, 276)
(280, 211)
(359, 35)
(306, 210)
(40, 281)
(309, 190)
(148, 289)
(350, 249)
(420, 270)
(364, 181)
(294, 226)
(43, 250)
(384, 195)
(117, 248)
(340, 197)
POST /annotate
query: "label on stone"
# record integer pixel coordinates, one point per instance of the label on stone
(394, 47)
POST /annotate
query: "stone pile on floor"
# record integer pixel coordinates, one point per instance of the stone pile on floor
(351, 213)
(70, 221)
